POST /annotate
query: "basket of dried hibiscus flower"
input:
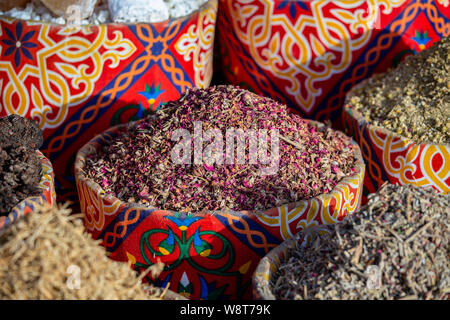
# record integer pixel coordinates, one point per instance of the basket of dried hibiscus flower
(210, 184)
(401, 121)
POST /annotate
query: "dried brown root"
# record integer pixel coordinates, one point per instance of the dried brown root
(48, 255)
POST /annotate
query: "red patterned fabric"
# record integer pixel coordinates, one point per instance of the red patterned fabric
(77, 82)
(309, 54)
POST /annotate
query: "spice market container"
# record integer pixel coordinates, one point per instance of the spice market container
(208, 255)
(171, 295)
(47, 195)
(77, 81)
(269, 265)
(41, 250)
(392, 157)
(309, 54)
(360, 257)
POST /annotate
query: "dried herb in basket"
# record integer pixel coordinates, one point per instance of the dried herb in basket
(136, 166)
(395, 247)
(43, 255)
(412, 100)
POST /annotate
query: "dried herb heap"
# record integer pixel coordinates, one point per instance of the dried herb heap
(20, 168)
(412, 100)
(137, 167)
(403, 231)
(38, 252)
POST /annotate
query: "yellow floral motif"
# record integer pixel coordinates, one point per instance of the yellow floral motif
(57, 86)
(345, 30)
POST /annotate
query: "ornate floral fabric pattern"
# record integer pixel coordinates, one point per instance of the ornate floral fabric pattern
(78, 81)
(48, 195)
(308, 54)
(208, 255)
(390, 157)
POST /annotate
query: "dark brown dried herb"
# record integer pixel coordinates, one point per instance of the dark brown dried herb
(20, 168)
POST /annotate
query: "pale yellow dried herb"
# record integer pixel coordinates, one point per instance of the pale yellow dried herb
(40, 255)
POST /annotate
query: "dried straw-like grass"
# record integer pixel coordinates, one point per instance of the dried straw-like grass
(43, 255)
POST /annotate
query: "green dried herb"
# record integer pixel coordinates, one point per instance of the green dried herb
(412, 100)
(402, 233)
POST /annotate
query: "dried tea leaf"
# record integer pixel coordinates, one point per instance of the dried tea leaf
(395, 247)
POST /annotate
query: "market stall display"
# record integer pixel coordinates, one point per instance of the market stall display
(192, 191)
(211, 232)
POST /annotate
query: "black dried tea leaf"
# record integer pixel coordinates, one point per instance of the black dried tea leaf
(17, 131)
(20, 168)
